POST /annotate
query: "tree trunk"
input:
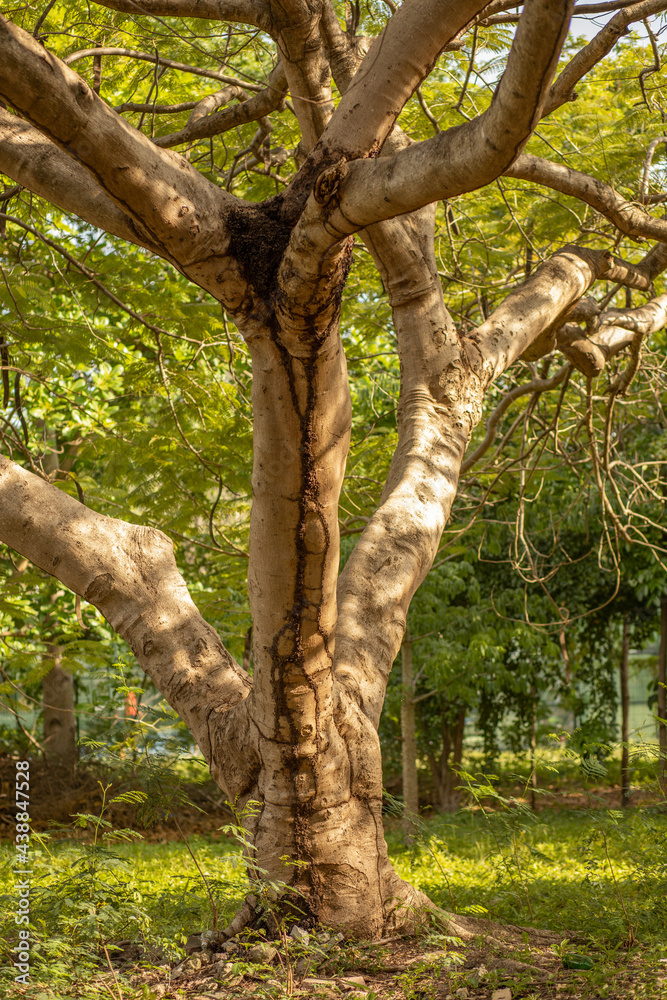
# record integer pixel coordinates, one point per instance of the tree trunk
(625, 715)
(299, 737)
(58, 702)
(450, 761)
(409, 742)
(58, 713)
(662, 698)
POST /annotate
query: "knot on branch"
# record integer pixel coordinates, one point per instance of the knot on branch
(328, 182)
(587, 357)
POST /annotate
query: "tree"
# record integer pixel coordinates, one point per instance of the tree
(299, 735)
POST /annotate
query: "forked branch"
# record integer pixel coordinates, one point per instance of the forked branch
(129, 573)
(168, 200)
(33, 161)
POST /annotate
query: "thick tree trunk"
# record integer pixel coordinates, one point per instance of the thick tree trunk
(625, 715)
(408, 742)
(662, 698)
(58, 712)
(318, 774)
(299, 736)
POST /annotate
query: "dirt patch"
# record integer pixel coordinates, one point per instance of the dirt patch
(409, 969)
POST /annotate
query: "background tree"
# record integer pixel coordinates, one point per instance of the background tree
(299, 735)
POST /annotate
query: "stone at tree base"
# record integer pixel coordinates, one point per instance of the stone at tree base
(222, 968)
(299, 934)
(504, 994)
(261, 954)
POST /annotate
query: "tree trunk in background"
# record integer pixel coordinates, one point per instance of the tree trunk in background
(533, 753)
(625, 716)
(450, 762)
(662, 698)
(445, 769)
(58, 713)
(58, 719)
(409, 740)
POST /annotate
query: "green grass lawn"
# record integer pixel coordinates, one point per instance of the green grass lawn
(595, 873)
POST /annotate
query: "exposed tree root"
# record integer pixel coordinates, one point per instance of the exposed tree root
(412, 911)
(467, 928)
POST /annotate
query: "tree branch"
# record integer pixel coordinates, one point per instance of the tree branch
(295, 24)
(436, 412)
(540, 303)
(168, 200)
(396, 63)
(618, 329)
(463, 158)
(240, 114)
(210, 74)
(536, 386)
(37, 164)
(650, 153)
(629, 220)
(599, 46)
(233, 11)
(129, 573)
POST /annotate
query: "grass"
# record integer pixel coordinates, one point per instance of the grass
(584, 871)
(595, 874)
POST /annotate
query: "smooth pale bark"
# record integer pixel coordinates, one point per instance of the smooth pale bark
(319, 779)
(172, 205)
(540, 303)
(408, 741)
(599, 46)
(35, 162)
(397, 61)
(295, 24)
(204, 125)
(129, 573)
(235, 11)
(58, 721)
(301, 738)
(438, 406)
(625, 714)
(462, 158)
(626, 217)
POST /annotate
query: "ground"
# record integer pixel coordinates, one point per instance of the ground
(113, 901)
(423, 969)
